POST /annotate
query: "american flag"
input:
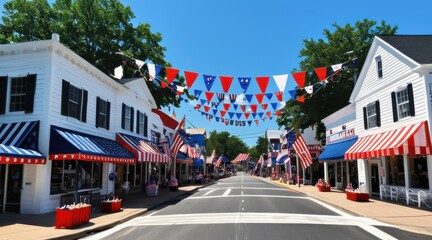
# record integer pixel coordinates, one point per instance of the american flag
(219, 161)
(290, 138)
(302, 152)
(177, 140)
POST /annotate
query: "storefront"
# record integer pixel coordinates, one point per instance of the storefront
(18, 150)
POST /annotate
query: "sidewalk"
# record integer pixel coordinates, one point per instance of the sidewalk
(42, 226)
(405, 217)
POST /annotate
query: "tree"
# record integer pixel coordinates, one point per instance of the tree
(224, 143)
(342, 45)
(94, 29)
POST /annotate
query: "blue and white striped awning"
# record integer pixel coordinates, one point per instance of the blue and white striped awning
(18, 143)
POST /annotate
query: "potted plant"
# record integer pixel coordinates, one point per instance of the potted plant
(323, 186)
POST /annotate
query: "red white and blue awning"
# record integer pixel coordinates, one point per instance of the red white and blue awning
(144, 151)
(19, 142)
(71, 145)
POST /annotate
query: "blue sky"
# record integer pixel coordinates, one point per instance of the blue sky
(250, 38)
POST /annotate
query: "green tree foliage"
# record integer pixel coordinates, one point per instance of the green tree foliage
(343, 44)
(224, 143)
(94, 29)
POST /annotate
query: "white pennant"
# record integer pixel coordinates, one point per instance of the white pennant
(118, 72)
(309, 89)
(337, 67)
(139, 63)
(240, 98)
(281, 81)
(180, 88)
(152, 70)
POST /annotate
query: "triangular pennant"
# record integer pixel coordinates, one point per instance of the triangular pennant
(248, 97)
(301, 99)
(222, 113)
(259, 97)
(233, 97)
(274, 106)
(171, 74)
(215, 111)
(254, 115)
(256, 121)
(262, 83)
(226, 106)
(190, 78)
(139, 63)
(226, 82)
(231, 114)
(281, 81)
(151, 70)
(163, 84)
(217, 119)
(220, 96)
(203, 101)
(158, 68)
(208, 80)
(209, 96)
(300, 78)
(261, 114)
(268, 113)
(206, 108)
(215, 104)
(337, 67)
(197, 106)
(264, 106)
(309, 89)
(118, 72)
(197, 94)
(253, 107)
(246, 114)
(249, 122)
(269, 96)
(244, 83)
(279, 96)
(293, 93)
(321, 73)
(239, 115)
(278, 113)
(243, 107)
(235, 106)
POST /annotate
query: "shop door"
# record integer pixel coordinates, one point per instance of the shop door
(13, 193)
(374, 178)
(2, 186)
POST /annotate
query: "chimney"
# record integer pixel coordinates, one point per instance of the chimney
(56, 37)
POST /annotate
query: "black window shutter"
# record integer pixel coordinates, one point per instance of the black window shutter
(65, 98)
(365, 118)
(84, 106)
(395, 113)
(3, 94)
(131, 119)
(411, 99)
(30, 93)
(138, 121)
(145, 125)
(97, 111)
(123, 116)
(378, 113)
(108, 114)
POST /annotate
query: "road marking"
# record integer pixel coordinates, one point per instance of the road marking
(252, 188)
(236, 196)
(227, 192)
(207, 193)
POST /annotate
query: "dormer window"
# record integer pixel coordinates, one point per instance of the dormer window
(379, 66)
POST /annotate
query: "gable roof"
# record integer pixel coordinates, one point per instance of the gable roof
(416, 47)
(167, 120)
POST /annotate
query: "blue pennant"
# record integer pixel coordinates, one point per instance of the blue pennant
(293, 93)
(239, 115)
(197, 93)
(231, 114)
(203, 101)
(158, 68)
(217, 119)
(215, 111)
(208, 80)
(254, 115)
(235, 106)
(274, 105)
(261, 114)
(244, 83)
(249, 97)
(269, 96)
(249, 122)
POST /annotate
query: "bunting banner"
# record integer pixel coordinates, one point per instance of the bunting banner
(226, 82)
(190, 78)
(244, 83)
(208, 80)
(262, 83)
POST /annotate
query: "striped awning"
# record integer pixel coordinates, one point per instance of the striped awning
(413, 139)
(18, 143)
(71, 145)
(144, 151)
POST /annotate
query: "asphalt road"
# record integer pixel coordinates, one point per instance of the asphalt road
(245, 207)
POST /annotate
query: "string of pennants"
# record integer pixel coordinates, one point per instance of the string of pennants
(237, 109)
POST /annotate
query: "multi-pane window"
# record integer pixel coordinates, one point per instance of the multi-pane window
(127, 117)
(18, 94)
(379, 66)
(74, 101)
(371, 115)
(102, 113)
(141, 123)
(402, 102)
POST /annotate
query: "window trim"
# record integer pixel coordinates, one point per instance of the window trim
(379, 67)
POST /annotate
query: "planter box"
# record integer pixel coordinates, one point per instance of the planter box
(71, 218)
(110, 206)
(358, 197)
(324, 188)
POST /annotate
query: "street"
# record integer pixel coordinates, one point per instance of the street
(246, 207)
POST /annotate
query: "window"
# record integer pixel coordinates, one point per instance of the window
(371, 115)
(74, 101)
(419, 172)
(403, 103)
(19, 97)
(63, 175)
(102, 113)
(127, 117)
(379, 66)
(395, 171)
(141, 123)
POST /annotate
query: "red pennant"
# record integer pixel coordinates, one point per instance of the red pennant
(301, 99)
(253, 107)
(259, 97)
(222, 113)
(171, 74)
(198, 106)
(279, 96)
(256, 121)
(190, 78)
(163, 84)
(321, 73)
(206, 108)
(179, 93)
(246, 114)
(209, 96)
(268, 113)
(243, 107)
(226, 106)
(226, 82)
(278, 113)
(263, 83)
(300, 78)
(264, 106)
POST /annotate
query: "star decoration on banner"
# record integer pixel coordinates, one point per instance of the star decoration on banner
(244, 83)
(208, 80)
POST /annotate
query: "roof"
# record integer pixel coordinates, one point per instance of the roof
(417, 47)
(166, 120)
